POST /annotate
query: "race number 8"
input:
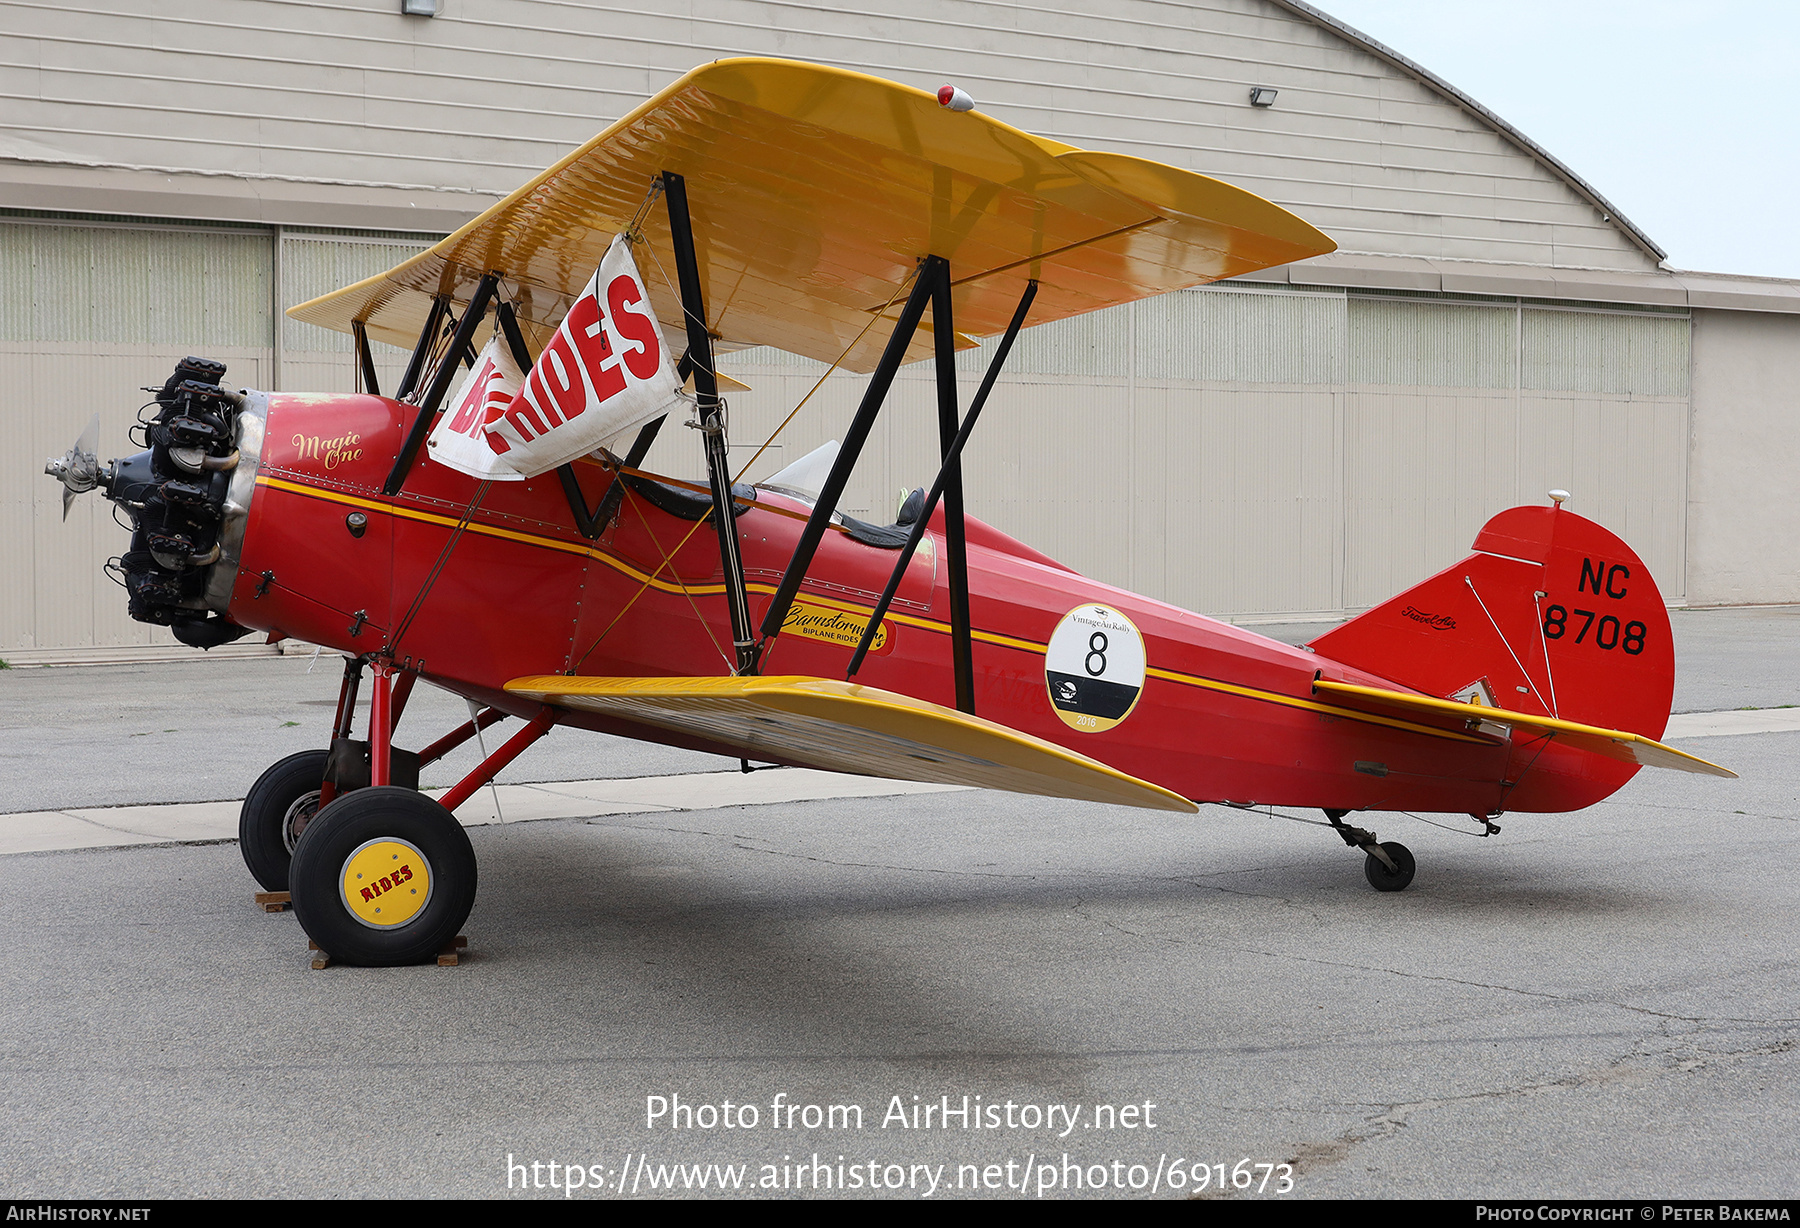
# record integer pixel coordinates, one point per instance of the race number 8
(1094, 668)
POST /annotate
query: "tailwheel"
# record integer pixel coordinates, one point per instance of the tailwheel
(383, 876)
(276, 810)
(1391, 873)
(1388, 867)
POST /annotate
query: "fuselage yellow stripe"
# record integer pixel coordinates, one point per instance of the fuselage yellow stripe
(910, 620)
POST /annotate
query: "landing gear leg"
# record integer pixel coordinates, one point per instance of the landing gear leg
(286, 797)
(1389, 867)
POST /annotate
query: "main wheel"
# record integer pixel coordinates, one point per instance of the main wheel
(383, 876)
(276, 810)
(1383, 879)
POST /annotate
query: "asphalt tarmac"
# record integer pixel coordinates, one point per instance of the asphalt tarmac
(1604, 1004)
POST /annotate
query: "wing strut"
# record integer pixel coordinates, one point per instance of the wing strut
(365, 361)
(931, 288)
(953, 456)
(712, 419)
(434, 319)
(854, 438)
(440, 381)
(956, 550)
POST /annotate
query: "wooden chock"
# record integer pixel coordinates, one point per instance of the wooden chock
(447, 957)
(274, 901)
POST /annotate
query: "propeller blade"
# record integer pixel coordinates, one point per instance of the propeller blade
(90, 439)
(79, 469)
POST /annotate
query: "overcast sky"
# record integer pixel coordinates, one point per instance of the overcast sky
(1684, 113)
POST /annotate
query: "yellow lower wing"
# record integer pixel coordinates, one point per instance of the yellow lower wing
(842, 727)
(1613, 743)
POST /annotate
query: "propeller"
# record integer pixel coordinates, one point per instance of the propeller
(78, 469)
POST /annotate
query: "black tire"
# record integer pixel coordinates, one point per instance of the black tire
(379, 819)
(277, 804)
(1383, 879)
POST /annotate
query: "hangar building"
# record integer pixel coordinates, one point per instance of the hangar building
(1303, 443)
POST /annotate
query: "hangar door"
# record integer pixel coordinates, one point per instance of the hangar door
(1255, 450)
(90, 312)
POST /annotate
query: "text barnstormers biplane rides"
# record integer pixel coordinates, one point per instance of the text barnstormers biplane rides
(827, 214)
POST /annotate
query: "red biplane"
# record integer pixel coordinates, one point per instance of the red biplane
(512, 550)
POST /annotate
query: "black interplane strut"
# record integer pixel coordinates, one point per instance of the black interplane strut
(938, 487)
(589, 524)
(956, 551)
(854, 438)
(365, 361)
(710, 411)
(434, 320)
(932, 288)
(440, 381)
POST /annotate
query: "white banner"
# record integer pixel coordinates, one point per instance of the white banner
(605, 372)
(459, 439)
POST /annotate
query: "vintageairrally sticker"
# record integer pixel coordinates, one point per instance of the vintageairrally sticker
(1094, 668)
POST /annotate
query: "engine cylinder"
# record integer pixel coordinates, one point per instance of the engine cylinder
(188, 497)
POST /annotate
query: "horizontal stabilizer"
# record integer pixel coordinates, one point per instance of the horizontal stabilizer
(843, 727)
(1613, 743)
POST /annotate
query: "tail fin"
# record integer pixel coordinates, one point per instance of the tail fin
(1552, 615)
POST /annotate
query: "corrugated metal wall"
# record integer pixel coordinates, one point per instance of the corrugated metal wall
(317, 262)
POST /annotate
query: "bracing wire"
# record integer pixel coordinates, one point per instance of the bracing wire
(644, 587)
(669, 563)
(1294, 818)
(1537, 600)
(1503, 640)
(437, 568)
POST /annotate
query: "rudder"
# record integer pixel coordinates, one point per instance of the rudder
(1553, 612)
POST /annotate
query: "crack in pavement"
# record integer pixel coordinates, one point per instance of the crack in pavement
(1390, 1119)
(1081, 909)
(1531, 993)
(1712, 810)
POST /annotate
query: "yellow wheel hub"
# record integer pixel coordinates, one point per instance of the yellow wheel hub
(386, 883)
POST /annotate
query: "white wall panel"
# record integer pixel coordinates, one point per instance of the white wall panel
(1250, 522)
(1744, 540)
(1423, 471)
(314, 97)
(56, 592)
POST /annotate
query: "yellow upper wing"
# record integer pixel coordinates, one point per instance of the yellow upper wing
(814, 192)
(843, 727)
(1613, 743)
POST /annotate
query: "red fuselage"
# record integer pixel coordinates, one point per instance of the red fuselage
(1223, 715)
